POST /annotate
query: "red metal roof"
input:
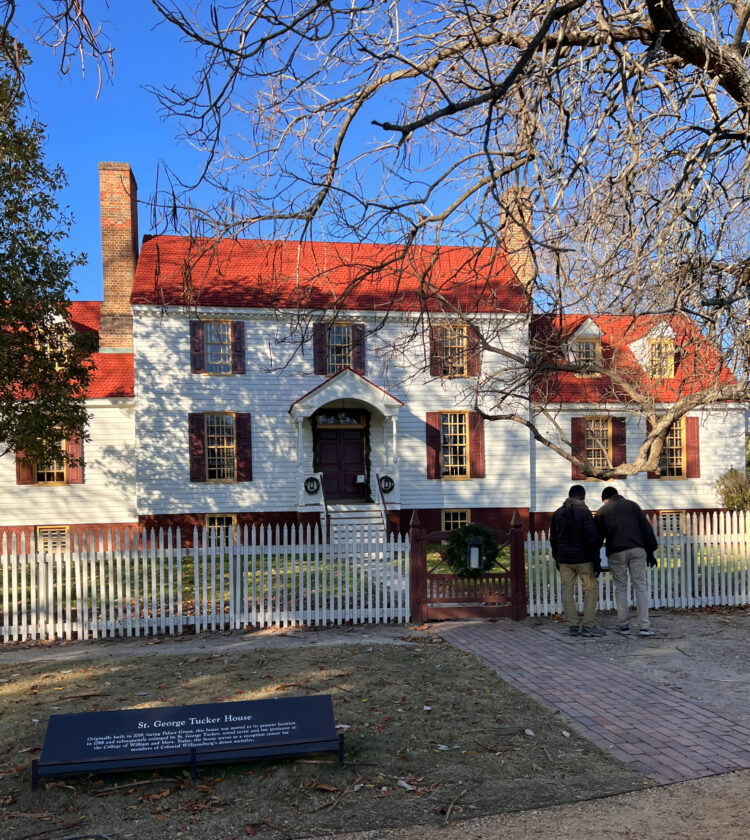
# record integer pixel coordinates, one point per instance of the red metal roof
(322, 275)
(113, 374)
(697, 365)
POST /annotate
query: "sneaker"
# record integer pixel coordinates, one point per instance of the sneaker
(574, 630)
(593, 632)
(622, 629)
(646, 631)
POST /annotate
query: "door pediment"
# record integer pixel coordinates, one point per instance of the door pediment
(347, 386)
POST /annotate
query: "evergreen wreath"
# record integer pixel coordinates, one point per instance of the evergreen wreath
(455, 551)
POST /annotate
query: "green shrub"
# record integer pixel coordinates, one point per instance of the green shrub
(455, 551)
(733, 488)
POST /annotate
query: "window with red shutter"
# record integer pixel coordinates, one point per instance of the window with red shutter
(217, 347)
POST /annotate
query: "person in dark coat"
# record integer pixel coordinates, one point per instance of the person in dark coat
(575, 549)
(630, 543)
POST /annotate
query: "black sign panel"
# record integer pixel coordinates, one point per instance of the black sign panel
(180, 735)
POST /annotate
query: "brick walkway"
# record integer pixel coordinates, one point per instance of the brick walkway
(649, 727)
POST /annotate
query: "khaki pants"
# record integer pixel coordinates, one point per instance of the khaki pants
(568, 574)
(632, 560)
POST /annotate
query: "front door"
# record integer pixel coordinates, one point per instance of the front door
(341, 455)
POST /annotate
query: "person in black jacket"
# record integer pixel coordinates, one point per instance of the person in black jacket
(575, 548)
(630, 544)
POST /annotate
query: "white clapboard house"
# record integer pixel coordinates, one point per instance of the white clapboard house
(236, 384)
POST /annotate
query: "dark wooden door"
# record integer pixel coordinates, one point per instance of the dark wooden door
(341, 458)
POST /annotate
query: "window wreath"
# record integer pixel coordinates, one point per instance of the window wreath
(455, 551)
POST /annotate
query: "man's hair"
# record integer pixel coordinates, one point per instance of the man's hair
(577, 491)
(608, 492)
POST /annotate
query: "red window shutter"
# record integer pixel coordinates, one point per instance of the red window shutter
(432, 439)
(197, 442)
(320, 346)
(473, 356)
(238, 346)
(436, 350)
(197, 364)
(578, 441)
(25, 470)
(74, 474)
(476, 444)
(619, 454)
(358, 349)
(650, 473)
(692, 448)
(243, 438)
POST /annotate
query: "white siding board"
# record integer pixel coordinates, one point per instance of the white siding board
(108, 492)
(167, 392)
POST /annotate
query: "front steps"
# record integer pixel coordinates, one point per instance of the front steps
(349, 520)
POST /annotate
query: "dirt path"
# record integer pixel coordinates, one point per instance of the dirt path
(704, 809)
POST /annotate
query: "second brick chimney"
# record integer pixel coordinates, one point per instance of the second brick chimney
(516, 220)
(118, 193)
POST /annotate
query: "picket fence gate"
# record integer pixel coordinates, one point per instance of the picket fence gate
(123, 583)
(703, 561)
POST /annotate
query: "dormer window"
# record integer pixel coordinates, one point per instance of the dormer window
(587, 351)
(661, 358)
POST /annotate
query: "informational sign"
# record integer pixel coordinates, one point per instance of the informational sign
(207, 733)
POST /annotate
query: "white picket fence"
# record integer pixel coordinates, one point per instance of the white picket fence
(122, 584)
(703, 562)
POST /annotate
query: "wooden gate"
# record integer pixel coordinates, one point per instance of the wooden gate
(438, 593)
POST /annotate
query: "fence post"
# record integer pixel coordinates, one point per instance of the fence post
(417, 569)
(517, 567)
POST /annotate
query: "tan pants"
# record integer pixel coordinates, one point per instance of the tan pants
(632, 560)
(568, 574)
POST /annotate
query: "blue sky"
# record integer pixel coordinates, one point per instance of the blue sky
(123, 124)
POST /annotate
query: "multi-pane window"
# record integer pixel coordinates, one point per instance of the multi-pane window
(220, 447)
(453, 519)
(53, 472)
(339, 347)
(672, 459)
(217, 346)
(219, 527)
(586, 351)
(454, 350)
(661, 358)
(598, 441)
(52, 540)
(454, 444)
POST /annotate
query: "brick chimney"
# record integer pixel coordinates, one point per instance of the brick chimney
(516, 219)
(118, 194)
